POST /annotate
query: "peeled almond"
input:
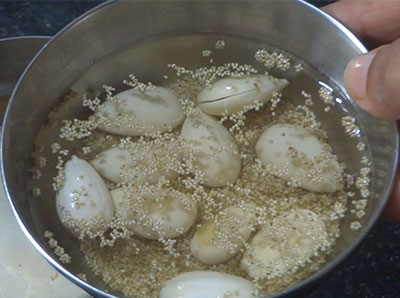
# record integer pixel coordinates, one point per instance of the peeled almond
(216, 152)
(84, 202)
(312, 166)
(219, 240)
(230, 95)
(264, 259)
(208, 284)
(290, 241)
(305, 232)
(112, 163)
(135, 113)
(169, 217)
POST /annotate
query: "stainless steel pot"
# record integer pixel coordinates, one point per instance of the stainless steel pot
(28, 275)
(95, 49)
(14, 61)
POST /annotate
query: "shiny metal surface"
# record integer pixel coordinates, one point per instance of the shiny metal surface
(15, 55)
(97, 36)
(30, 276)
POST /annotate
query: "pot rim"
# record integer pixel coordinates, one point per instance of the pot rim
(25, 37)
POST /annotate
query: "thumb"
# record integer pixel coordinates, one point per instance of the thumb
(373, 81)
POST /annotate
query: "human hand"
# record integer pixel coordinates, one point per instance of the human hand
(373, 79)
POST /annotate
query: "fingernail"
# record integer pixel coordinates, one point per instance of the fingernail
(355, 76)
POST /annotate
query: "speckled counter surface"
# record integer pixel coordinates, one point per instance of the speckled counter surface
(372, 271)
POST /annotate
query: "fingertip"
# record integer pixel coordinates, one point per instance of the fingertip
(356, 75)
(348, 13)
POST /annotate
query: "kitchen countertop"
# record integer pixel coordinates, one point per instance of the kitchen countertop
(372, 271)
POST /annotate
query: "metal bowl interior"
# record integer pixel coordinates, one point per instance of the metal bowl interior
(15, 53)
(96, 48)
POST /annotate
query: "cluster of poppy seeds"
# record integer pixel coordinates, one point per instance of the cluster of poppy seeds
(298, 67)
(327, 97)
(36, 191)
(351, 128)
(138, 267)
(206, 53)
(273, 59)
(58, 250)
(361, 146)
(220, 44)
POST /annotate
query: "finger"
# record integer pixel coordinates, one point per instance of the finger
(373, 81)
(392, 209)
(348, 13)
(376, 22)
